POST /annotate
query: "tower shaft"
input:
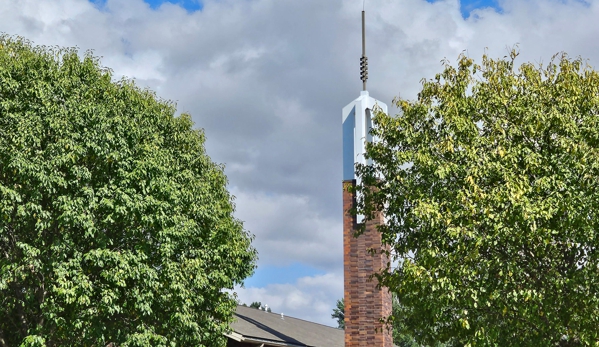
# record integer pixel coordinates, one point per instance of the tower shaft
(365, 304)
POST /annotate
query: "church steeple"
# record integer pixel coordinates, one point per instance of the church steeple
(365, 304)
(357, 119)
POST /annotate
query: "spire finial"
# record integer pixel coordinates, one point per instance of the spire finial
(363, 59)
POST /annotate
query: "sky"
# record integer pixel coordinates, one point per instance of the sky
(267, 79)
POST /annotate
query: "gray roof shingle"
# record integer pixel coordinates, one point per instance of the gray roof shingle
(269, 328)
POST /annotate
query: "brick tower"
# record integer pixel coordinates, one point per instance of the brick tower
(365, 305)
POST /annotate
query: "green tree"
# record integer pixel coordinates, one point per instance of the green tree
(115, 226)
(400, 338)
(339, 313)
(490, 184)
(403, 337)
(258, 305)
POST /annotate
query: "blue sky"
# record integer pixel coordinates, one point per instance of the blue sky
(190, 5)
(466, 6)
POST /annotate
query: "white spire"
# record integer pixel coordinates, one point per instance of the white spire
(357, 121)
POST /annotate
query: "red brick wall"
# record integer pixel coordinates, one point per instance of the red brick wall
(364, 304)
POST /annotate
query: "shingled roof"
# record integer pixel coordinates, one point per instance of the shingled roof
(254, 326)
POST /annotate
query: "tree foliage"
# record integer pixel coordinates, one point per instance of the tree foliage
(490, 184)
(115, 226)
(339, 313)
(400, 337)
(258, 305)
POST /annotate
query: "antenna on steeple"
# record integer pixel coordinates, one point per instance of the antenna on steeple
(363, 59)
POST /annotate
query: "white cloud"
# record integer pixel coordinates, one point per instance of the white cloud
(310, 298)
(290, 230)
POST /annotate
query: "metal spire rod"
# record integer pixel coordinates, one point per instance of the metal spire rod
(363, 59)
(363, 34)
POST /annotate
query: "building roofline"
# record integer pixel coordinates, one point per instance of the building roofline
(241, 338)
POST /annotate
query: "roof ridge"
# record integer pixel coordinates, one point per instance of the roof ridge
(324, 325)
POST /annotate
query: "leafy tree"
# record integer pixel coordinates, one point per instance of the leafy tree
(339, 313)
(400, 338)
(490, 184)
(116, 228)
(258, 305)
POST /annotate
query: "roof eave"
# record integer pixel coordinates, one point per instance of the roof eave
(240, 338)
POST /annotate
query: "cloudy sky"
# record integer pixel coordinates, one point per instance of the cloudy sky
(267, 79)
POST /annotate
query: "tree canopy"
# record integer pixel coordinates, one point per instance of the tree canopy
(258, 305)
(339, 313)
(489, 182)
(400, 337)
(116, 228)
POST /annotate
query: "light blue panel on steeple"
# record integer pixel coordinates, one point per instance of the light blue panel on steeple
(349, 124)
